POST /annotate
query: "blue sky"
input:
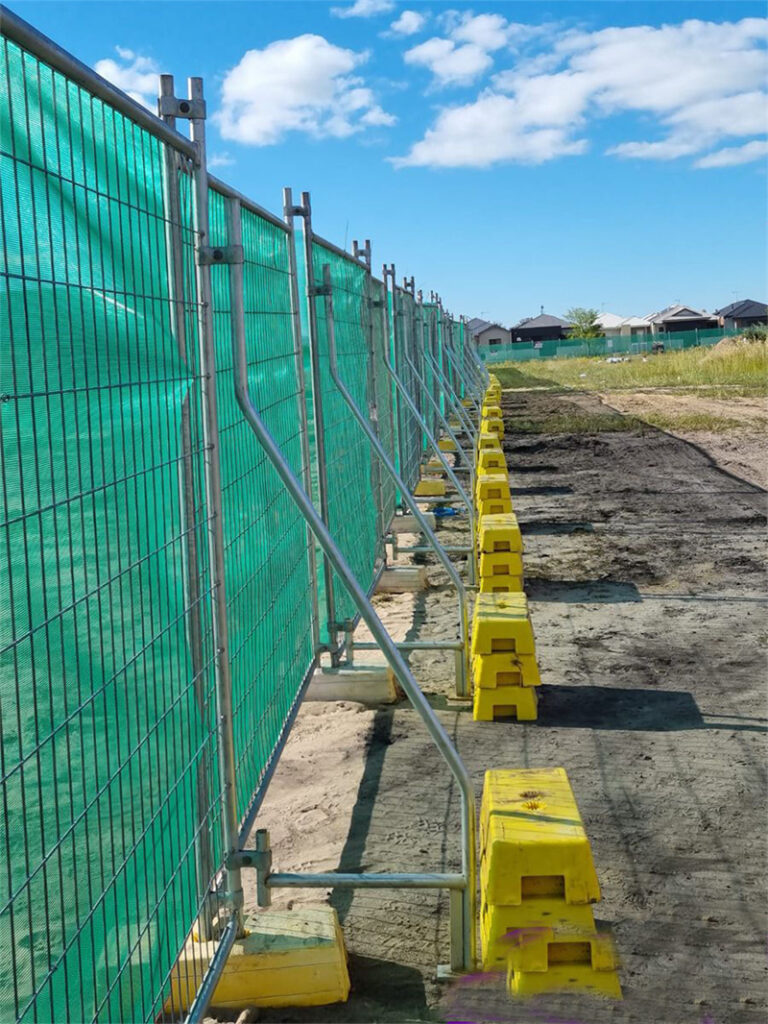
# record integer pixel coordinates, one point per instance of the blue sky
(509, 155)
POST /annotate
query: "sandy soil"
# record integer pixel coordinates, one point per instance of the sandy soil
(743, 453)
(646, 574)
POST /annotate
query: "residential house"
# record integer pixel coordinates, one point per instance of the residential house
(610, 324)
(492, 336)
(680, 318)
(743, 313)
(541, 328)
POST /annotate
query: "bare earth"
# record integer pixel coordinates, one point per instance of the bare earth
(646, 574)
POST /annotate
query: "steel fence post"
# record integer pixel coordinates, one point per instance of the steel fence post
(215, 526)
(306, 455)
(203, 852)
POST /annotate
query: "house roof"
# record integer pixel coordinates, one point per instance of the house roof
(678, 312)
(610, 320)
(635, 321)
(489, 327)
(744, 308)
(477, 324)
(543, 320)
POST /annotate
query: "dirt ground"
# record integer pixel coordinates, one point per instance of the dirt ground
(646, 576)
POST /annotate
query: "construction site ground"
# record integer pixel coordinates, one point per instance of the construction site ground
(646, 575)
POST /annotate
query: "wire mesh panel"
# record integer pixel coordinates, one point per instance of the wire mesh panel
(409, 441)
(110, 810)
(267, 567)
(352, 509)
(384, 397)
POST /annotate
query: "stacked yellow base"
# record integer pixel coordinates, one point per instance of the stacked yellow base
(430, 489)
(520, 702)
(505, 669)
(501, 584)
(499, 533)
(491, 460)
(288, 958)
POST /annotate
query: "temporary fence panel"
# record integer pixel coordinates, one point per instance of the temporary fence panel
(110, 803)
(266, 546)
(384, 396)
(410, 444)
(617, 345)
(352, 510)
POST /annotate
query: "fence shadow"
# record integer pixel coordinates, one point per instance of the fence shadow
(582, 591)
(553, 528)
(633, 710)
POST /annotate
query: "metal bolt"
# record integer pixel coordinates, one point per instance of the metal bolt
(184, 107)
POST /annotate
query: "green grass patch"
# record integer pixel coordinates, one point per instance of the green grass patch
(740, 364)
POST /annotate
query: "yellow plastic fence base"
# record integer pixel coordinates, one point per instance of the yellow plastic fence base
(500, 926)
(494, 506)
(507, 669)
(501, 623)
(445, 444)
(564, 978)
(289, 958)
(467, 403)
(501, 563)
(499, 533)
(491, 485)
(486, 441)
(492, 425)
(430, 489)
(501, 585)
(530, 827)
(434, 465)
(536, 949)
(490, 410)
(520, 702)
(490, 459)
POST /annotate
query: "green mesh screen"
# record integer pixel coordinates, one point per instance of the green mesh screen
(108, 730)
(409, 432)
(352, 511)
(384, 398)
(267, 569)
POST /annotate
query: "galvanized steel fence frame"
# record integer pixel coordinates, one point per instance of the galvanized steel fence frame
(223, 259)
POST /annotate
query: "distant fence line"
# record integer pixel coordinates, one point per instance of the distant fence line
(570, 348)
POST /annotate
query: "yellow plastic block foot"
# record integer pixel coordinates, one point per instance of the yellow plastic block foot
(507, 669)
(288, 958)
(491, 485)
(467, 403)
(430, 489)
(501, 563)
(501, 623)
(500, 926)
(494, 506)
(530, 828)
(500, 533)
(492, 425)
(434, 465)
(487, 441)
(537, 948)
(501, 584)
(520, 702)
(489, 460)
(445, 444)
(564, 978)
(490, 411)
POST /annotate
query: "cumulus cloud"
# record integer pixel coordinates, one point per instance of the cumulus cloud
(134, 74)
(364, 9)
(450, 64)
(700, 82)
(408, 24)
(220, 160)
(732, 156)
(304, 84)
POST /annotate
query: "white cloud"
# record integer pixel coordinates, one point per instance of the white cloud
(408, 24)
(735, 155)
(220, 160)
(701, 82)
(302, 84)
(364, 9)
(137, 75)
(488, 31)
(492, 129)
(450, 64)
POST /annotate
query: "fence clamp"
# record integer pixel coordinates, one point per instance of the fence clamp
(172, 106)
(210, 255)
(319, 289)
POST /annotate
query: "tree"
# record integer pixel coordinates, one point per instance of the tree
(584, 322)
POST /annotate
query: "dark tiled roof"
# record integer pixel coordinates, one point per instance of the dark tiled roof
(744, 308)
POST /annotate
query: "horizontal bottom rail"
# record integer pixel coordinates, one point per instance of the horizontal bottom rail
(422, 550)
(414, 645)
(330, 880)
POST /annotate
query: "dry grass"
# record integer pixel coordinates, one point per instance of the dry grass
(734, 366)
